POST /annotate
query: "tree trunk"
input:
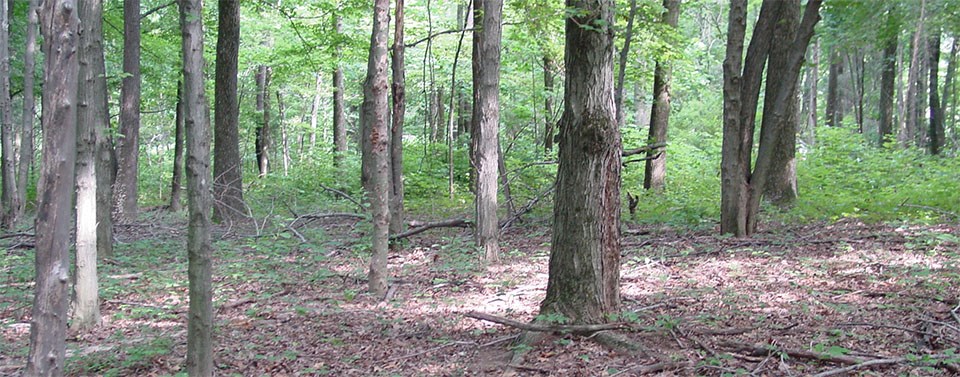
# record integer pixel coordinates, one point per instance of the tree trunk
(833, 89)
(888, 77)
(125, 188)
(176, 183)
(398, 89)
(640, 108)
(376, 151)
(91, 119)
(855, 61)
(48, 324)
(810, 103)
(948, 93)
(935, 131)
(339, 122)
(200, 316)
(486, 123)
(656, 164)
(315, 115)
(781, 188)
(584, 277)
(625, 52)
(29, 107)
(8, 174)
(228, 204)
(908, 130)
(284, 142)
(262, 142)
(548, 120)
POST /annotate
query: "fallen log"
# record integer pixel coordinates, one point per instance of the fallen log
(450, 223)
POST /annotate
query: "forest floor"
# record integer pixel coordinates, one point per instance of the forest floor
(792, 301)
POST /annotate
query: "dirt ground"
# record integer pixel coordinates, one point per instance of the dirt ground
(877, 299)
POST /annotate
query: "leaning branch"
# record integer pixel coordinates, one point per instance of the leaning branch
(157, 9)
(461, 223)
(644, 149)
(342, 194)
(553, 328)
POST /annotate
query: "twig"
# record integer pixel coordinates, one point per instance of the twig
(641, 159)
(12, 235)
(500, 340)
(536, 327)
(528, 368)
(646, 148)
(526, 208)
(763, 350)
(126, 276)
(860, 365)
(653, 368)
(342, 194)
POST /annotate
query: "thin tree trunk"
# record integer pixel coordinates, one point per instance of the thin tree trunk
(548, 120)
(584, 277)
(908, 131)
(48, 326)
(655, 170)
(949, 96)
(284, 142)
(376, 151)
(199, 249)
(450, 124)
(624, 53)
(126, 188)
(262, 141)
(228, 201)
(811, 97)
(176, 183)
(486, 123)
(315, 114)
(29, 107)
(935, 131)
(398, 91)
(888, 77)
(9, 197)
(833, 89)
(339, 121)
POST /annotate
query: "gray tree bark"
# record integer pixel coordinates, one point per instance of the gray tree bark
(781, 187)
(176, 182)
(888, 77)
(935, 130)
(398, 89)
(624, 53)
(548, 119)
(908, 128)
(227, 164)
(655, 171)
(8, 174)
(486, 123)
(125, 188)
(584, 278)
(262, 142)
(199, 250)
(29, 106)
(48, 324)
(339, 122)
(833, 89)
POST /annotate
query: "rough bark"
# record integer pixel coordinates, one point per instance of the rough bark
(584, 277)
(199, 249)
(228, 204)
(339, 122)
(655, 170)
(781, 188)
(833, 89)
(548, 121)
(935, 130)
(856, 62)
(910, 125)
(376, 153)
(48, 324)
(176, 182)
(948, 101)
(398, 88)
(9, 198)
(91, 118)
(888, 76)
(486, 122)
(29, 106)
(315, 114)
(125, 188)
(624, 53)
(262, 142)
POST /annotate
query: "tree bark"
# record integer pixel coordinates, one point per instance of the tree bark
(8, 174)
(262, 142)
(855, 60)
(781, 188)
(315, 114)
(833, 89)
(398, 89)
(908, 128)
(176, 182)
(29, 106)
(656, 165)
(810, 103)
(376, 153)
(888, 77)
(584, 277)
(339, 122)
(486, 123)
(199, 249)
(948, 93)
(625, 52)
(125, 188)
(48, 324)
(935, 131)
(228, 204)
(548, 121)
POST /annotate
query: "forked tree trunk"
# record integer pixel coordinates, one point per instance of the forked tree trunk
(935, 130)
(48, 325)
(228, 201)
(8, 174)
(376, 147)
(486, 123)
(396, 129)
(262, 142)
(125, 188)
(199, 250)
(29, 106)
(176, 182)
(339, 122)
(655, 171)
(888, 77)
(584, 278)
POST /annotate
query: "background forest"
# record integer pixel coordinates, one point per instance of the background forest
(873, 192)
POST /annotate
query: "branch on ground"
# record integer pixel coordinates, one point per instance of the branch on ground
(451, 223)
(553, 328)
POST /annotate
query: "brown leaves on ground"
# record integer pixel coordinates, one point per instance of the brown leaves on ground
(789, 301)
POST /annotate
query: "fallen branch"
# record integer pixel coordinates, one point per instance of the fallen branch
(12, 235)
(654, 368)
(126, 276)
(538, 327)
(764, 350)
(892, 360)
(461, 223)
(506, 223)
(645, 148)
(343, 195)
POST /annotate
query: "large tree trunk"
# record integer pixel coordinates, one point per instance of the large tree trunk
(91, 119)
(656, 166)
(200, 316)
(888, 77)
(396, 129)
(262, 142)
(376, 152)
(908, 128)
(228, 201)
(339, 122)
(935, 131)
(625, 52)
(8, 174)
(486, 122)
(176, 182)
(548, 120)
(125, 188)
(584, 278)
(48, 324)
(833, 89)
(781, 188)
(29, 107)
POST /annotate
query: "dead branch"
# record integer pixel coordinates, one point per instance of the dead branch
(645, 148)
(538, 327)
(126, 276)
(892, 360)
(506, 223)
(343, 195)
(12, 235)
(728, 331)
(654, 368)
(641, 159)
(460, 223)
(764, 350)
